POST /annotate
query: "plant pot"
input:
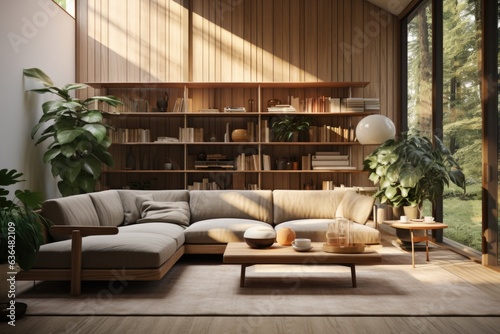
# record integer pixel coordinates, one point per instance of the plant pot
(397, 211)
(411, 212)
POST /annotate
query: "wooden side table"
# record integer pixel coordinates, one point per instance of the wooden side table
(414, 226)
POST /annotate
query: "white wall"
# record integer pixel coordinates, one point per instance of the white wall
(34, 33)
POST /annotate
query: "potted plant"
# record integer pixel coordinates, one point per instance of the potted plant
(80, 143)
(21, 235)
(288, 128)
(412, 169)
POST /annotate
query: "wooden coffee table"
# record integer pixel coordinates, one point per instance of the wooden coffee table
(241, 253)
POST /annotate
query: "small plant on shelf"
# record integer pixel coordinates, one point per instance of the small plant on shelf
(288, 127)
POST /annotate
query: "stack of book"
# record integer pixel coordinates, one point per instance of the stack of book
(353, 104)
(372, 104)
(330, 160)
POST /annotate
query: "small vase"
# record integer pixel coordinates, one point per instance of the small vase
(285, 236)
(239, 135)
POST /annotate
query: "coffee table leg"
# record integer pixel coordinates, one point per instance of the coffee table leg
(412, 249)
(242, 274)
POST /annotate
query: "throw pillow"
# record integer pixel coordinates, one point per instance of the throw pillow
(167, 212)
(355, 207)
(132, 204)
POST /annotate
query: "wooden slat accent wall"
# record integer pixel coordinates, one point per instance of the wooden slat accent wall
(242, 40)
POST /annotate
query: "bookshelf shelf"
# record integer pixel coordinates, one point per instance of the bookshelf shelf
(139, 125)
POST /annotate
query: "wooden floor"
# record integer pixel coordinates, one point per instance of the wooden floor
(260, 325)
(485, 278)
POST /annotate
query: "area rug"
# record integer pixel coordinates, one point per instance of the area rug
(212, 288)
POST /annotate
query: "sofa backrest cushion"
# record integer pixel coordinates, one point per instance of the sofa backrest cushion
(71, 210)
(246, 204)
(108, 206)
(303, 204)
(355, 207)
(132, 201)
(165, 212)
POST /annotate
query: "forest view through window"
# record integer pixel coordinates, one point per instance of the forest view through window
(461, 106)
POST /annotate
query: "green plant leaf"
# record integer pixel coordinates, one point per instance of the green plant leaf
(67, 136)
(97, 130)
(37, 73)
(92, 116)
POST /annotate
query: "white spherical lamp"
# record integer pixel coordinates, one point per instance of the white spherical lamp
(375, 129)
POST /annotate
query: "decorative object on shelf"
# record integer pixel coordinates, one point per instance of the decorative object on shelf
(239, 135)
(375, 129)
(260, 236)
(130, 162)
(273, 102)
(288, 128)
(162, 104)
(285, 236)
(79, 147)
(412, 169)
(251, 103)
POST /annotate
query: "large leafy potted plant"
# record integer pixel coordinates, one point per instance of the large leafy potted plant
(21, 235)
(79, 141)
(412, 169)
(288, 128)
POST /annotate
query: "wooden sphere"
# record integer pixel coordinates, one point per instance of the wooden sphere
(285, 236)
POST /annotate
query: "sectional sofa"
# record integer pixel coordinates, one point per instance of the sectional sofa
(140, 234)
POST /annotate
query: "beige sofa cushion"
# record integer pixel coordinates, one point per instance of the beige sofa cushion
(71, 210)
(300, 204)
(132, 200)
(108, 206)
(219, 230)
(134, 250)
(315, 229)
(244, 204)
(355, 207)
(167, 212)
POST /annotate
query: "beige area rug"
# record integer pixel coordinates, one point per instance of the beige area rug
(207, 287)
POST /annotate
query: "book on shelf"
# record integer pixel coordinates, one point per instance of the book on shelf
(330, 157)
(122, 135)
(266, 162)
(328, 185)
(178, 105)
(316, 163)
(333, 167)
(321, 153)
(190, 135)
(306, 162)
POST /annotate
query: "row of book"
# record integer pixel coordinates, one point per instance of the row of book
(205, 184)
(190, 135)
(326, 161)
(328, 133)
(122, 135)
(324, 104)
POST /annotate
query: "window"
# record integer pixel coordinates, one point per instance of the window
(462, 118)
(419, 65)
(67, 5)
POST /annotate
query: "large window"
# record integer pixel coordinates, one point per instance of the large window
(462, 117)
(461, 113)
(419, 53)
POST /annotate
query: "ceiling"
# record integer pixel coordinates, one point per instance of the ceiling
(392, 6)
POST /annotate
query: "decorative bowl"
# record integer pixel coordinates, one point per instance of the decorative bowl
(260, 237)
